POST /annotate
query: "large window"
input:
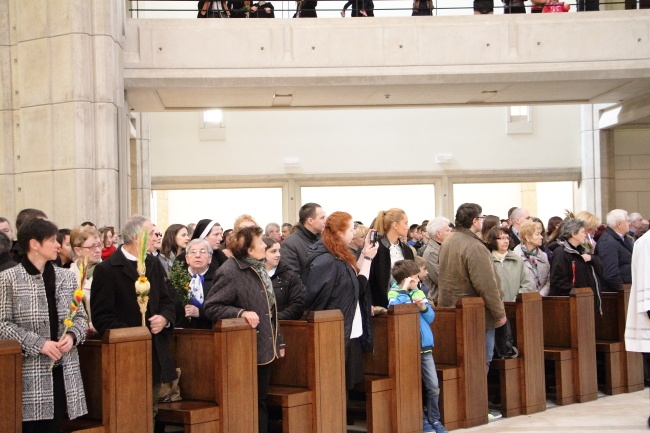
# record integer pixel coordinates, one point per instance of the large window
(364, 202)
(223, 205)
(542, 199)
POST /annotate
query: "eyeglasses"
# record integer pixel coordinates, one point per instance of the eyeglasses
(93, 247)
(157, 234)
(197, 252)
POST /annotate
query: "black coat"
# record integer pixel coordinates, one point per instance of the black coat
(114, 305)
(569, 270)
(289, 293)
(379, 278)
(294, 250)
(332, 284)
(616, 256)
(514, 240)
(306, 9)
(238, 289)
(6, 261)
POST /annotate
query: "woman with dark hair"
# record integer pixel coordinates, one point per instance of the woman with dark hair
(488, 222)
(174, 243)
(107, 235)
(391, 225)
(243, 288)
(552, 225)
(572, 266)
(509, 266)
(289, 290)
(337, 281)
(35, 297)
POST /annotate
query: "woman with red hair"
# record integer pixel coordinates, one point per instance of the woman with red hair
(338, 281)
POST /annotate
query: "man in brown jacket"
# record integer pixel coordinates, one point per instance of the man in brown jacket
(466, 270)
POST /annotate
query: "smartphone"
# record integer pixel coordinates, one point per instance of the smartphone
(373, 237)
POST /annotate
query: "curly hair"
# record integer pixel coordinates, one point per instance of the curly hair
(242, 241)
(337, 224)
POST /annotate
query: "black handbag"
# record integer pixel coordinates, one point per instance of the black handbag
(504, 345)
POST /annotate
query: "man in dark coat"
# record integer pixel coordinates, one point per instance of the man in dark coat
(517, 218)
(295, 247)
(114, 304)
(614, 248)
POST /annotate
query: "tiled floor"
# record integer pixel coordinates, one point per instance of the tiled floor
(625, 413)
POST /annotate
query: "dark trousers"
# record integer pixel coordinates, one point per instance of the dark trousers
(51, 425)
(263, 379)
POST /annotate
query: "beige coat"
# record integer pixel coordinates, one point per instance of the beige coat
(466, 270)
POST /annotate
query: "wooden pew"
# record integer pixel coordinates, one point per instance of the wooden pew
(393, 384)
(116, 373)
(570, 345)
(308, 384)
(521, 380)
(459, 354)
(623, 371)
(218, 379)
(11, 384)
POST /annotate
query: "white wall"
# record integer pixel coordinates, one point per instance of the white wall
(364, 141)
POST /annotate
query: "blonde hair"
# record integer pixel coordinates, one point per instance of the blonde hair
(361, 231)
(591, 221)
(528, 229)
(79, 235)
(386, 218)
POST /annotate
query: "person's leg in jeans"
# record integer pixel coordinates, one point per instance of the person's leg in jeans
(430, 380)
(489, 347)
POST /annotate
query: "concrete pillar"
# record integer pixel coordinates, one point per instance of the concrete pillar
(140, 167)
(62, 89)
(529, 197)
(597, 164)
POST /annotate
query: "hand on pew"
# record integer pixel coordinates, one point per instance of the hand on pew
(157, 323)
(251, 318)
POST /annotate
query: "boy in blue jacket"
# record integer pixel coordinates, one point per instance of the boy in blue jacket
(407, 292)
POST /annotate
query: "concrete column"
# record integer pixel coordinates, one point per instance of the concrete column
(597, 164)
(62, 86)
(529, 197)
(140, 167)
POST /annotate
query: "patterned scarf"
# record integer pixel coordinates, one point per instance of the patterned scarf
(531, 256)
(258, 267)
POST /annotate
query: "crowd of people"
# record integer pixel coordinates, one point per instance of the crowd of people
(366, 8)
(198, 273)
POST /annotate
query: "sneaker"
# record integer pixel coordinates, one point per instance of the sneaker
(439, 428)
(493, 415)
(427, 428)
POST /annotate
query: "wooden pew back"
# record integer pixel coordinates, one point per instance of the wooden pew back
(11, 384)
(525, 316)
(315, 360)
(569, 324)
(220, 366)
(459, 335)
(396, 357)
(622, 371)
(116, 373)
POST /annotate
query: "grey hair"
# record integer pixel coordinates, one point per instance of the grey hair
(614, 216)
(437, 224)
(132, 228)
(270, 226)
(5, 243)
(635, 216)
(198, 241)
(517, 213)
(572, 227)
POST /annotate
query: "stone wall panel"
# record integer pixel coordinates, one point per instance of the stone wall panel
(36, 136)
(72, 78)
(34, 73)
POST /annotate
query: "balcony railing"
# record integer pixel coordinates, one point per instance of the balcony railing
(382, 8)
